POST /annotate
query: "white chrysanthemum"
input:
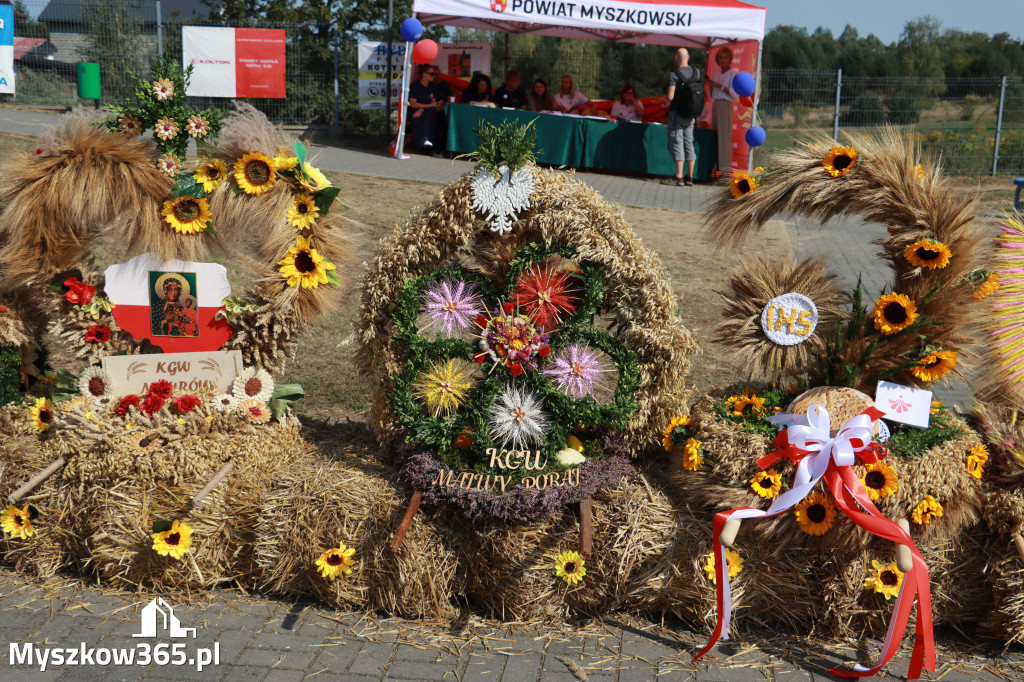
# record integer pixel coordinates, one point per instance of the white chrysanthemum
(253, 383)
(94, 382)
(503, 198)
(225, 402)
(104, 403)
(517, 419)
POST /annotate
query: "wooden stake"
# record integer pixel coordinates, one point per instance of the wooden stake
(36, 480)
(904, 557)
(1019, 542)
(586, 528)
(403, 527)
(214, 482)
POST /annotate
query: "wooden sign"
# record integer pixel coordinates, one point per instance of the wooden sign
(529, 460)
(188, 372)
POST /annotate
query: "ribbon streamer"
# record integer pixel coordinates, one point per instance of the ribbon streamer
(820, 456)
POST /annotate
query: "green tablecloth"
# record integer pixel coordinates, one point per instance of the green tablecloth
(586, 143)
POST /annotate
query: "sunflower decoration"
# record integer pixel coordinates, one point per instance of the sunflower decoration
(742, 183)
(840, 160)
(163, 88)
(885, 579)
(254, 383)
(336, 562)
(893, 313)
(303, 266)
(732, 559)
(255, 173)
(187, 215)
(445, 386)
(255, 411)
(173, 540)
(927, 509)
(927, 253)
(676, 431)
(879, 480)
(197, 126)
(224, 402)
(816, 513)
(285, 163)
(311, 178)
(934, 365)
(987, 287)
(302, 214)
(976, 461)
(693, 458)
(129, 125)
(18, 522)
(570, 567)
(169, 163)
(166, 128)
(767, 483)
(145, 441)
(94, 382)
(210, 173)
(747, 404)
(42, 414)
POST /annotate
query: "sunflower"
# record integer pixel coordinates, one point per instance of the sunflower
(570, 567)
(894, 313)
(732, 559)
(130, 125)
(885, 579)
(17, 522)
(936, 406)
(742, 183)
(749, 399)
(840, 160)
(666, 439)
(302, 214)
(934, 365)
(187, 215)
(976, 461)
(169, 163)
(879, 480)
(692, 457)
(312, 179)
(304, 266)
(256, 411)
(445, 386)
(163, 89)
(926, 253)
(926, 510)
(210, 173)
(42, 414)
(145, 441)
(285, 163)
(173, 542)
(336, 562)
(766, 483)
(254, 383)
(255, 173)
(166, 128)
(987, 287)
(197, 126)
(815, 514)
(94, 382)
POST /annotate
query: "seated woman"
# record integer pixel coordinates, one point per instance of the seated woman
(539, 98)
(569, 100)
(628, 108)
(478, 90)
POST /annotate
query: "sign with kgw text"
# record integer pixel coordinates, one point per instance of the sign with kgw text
(188, 372)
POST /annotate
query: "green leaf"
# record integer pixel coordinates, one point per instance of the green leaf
(283, 395)
(57, 283)
(324, 198)
(300, 152)
(209, 228)
(161, 526)
(332, 276)
(237, 191)
(66, 381)
(186, 186)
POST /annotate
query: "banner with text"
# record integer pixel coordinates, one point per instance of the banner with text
(459, 60)
(234, 62)
(7, 49)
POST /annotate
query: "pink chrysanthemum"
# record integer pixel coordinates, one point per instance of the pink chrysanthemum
(577, 371)
(450, 306)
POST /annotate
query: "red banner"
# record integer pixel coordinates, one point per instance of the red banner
(743, 58)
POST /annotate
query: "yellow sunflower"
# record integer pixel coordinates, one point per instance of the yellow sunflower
(173, 542)
(17, 522)
(879, 480)
(303, 266)
(302, 214)
(749, 399)
(312, 179)
(692, 457)
(926, 510)
(840, 160)
(187, 215)
(926, 253)
(987, 287)
(336, 562)
(742, 183)
(936, 406)
(815, 513)
(732, 559)
(976, 461)
(766, 483)
(894, 313)
(211, 173)
(285, 163)
(934, 365)
(885, 579)
(42, 414)
(570, 567)
(666, 439)
(445, 386)
(255, 173)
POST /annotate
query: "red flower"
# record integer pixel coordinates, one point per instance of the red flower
(508, 308)
(547, 295)
(480, 358)
(186, 403)
(481, 320)
(125, 403)
(97, 334)
(78, 292)
(516, 369)
(161, 389)
(151, 405)
(544, 351)
(3, 309)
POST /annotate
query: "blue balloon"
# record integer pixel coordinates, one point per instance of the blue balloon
(411, 29)
(743, 84)
(756, 136)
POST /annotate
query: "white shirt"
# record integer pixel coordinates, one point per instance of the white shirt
(725, 80)
(567, 101)
(626, 111)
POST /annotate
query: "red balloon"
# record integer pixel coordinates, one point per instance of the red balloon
(747, 102)
(424, 51)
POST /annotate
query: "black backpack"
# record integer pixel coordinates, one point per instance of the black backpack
(688, 101)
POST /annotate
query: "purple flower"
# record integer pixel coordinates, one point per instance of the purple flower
(450, 306)
(577, 371)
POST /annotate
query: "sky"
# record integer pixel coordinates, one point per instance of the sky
(886, 18)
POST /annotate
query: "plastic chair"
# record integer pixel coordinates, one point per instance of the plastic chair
(1018, 203)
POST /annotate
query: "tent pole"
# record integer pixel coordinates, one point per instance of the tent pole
(400, 140)
(757, 99)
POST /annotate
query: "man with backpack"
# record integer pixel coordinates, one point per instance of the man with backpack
(685, 97)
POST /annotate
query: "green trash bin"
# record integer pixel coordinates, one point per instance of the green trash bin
(88, 80)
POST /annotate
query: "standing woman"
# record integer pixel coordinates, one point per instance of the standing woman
(539, 98)
(722, 97)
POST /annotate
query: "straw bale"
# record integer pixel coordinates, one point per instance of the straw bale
(1005, 619)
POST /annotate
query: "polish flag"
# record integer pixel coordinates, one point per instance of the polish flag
(172, 303)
